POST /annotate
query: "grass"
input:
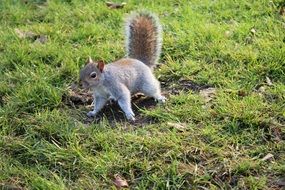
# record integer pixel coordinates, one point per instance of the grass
(231, 46)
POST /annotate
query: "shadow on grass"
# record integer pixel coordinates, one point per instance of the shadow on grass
(76, 98)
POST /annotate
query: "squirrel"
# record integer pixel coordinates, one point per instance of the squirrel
(127, 76)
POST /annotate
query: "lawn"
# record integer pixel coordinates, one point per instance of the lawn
(222, 70)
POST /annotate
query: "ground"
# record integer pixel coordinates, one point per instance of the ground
(222, 70)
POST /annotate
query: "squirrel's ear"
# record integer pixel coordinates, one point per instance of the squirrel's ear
(100, 65)
(89, 60)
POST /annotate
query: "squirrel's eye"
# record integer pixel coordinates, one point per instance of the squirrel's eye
(93, 75)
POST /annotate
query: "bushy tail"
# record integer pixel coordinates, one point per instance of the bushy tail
(143, 41)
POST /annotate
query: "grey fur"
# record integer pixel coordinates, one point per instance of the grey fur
(127, 76)
(119, 80)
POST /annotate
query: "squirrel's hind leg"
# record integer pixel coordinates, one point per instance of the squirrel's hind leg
(125, 104)
(152, 89)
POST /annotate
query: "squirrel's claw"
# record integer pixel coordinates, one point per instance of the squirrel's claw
(91, 114)
(131, 116)
(161, 99)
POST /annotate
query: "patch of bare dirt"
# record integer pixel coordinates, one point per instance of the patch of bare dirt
(182, 85)
(113, 5)
(37, 38)
(76, 97)
(113, 112)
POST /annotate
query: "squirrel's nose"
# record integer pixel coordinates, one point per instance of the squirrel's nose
(84, 85)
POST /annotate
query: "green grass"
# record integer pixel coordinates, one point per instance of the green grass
(47, 144)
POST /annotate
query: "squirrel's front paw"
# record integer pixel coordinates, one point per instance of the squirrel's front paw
(91, 114)
(131, 116)
(161, 99)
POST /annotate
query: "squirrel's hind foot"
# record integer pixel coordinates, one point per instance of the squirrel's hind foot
(161, 99)
(91, 114)
(130, 116)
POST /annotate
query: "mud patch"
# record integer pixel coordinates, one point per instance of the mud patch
(113, 113)
(182, 85)
(75, 97)
(78, 98)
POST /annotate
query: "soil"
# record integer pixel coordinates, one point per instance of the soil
(76, 97)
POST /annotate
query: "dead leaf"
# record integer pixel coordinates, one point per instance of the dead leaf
(178, 126)
(32, 36)
(113, 5)
(22, 34)
(268, 81)
(208, 94)
(119, 182)
(41, 39)
(227, 33)
(262, 89)
(253, 31)
(268, 156)
(76, 96)
(189, 168)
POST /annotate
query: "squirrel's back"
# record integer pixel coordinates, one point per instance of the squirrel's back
(143, 41)
(129, 72)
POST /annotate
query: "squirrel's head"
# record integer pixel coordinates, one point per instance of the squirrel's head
(91, 73)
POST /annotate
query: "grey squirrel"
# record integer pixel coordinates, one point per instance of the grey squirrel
(120, 79)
